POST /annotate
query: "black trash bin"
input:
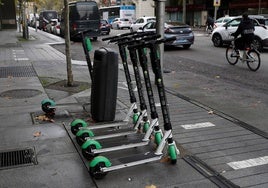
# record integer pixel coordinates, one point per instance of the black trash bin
(104, 85)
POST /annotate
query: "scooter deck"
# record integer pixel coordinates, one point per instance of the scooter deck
(113, 132)
(121, 143)
(133, 160)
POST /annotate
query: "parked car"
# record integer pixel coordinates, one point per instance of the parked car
(183, 33)
(45, 18)
(222, 35)
(120, 23)
(140, 22)
(105, 27)
(221, 21)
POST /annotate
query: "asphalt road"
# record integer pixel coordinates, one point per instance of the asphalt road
(202, 74)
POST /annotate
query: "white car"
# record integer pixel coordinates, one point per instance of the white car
(140, 22)
(222, 34)
(120, 23)
(221, 21)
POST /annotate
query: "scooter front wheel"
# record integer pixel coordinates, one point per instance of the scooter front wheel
(76, 125)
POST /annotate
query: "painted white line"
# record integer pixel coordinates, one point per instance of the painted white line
(22, 59)
(76, 62)
(197, 125)
(249, 163)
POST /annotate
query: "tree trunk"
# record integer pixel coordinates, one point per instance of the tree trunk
(67, 45)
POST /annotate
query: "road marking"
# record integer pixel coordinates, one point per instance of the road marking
(249, 163)
(21, 59)
(197, 125)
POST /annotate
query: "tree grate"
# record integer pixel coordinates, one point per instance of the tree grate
(17, 158)
(17, 71)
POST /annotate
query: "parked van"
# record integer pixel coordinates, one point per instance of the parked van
(45, 18)
(83, 15)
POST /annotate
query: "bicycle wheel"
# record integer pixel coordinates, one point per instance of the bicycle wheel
(232, 55)
(253, 60)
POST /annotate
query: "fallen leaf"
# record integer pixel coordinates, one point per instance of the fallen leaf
(165, 160)
(217, 76)
(37, 134)
(44, 118)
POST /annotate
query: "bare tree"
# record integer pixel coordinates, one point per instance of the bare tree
(67, 45)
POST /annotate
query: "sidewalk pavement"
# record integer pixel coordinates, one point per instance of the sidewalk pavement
(25, 66)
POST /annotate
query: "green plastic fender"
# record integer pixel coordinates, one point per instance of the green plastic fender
(82, 131)
(157, 138)
(77, 121)
(135, 118)
(91, 142)
(98, 160)
(88, 44)
(146, 126)
(52, 103)
(172, 152)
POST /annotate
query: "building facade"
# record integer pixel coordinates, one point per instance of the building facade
(198, 10)
(8, 15)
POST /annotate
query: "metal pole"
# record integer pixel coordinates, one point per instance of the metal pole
(259, 11)
(184, 11)
(160, 17)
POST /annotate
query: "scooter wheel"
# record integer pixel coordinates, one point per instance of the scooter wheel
(82, 138)
(172, 154)
(157, 138)
(96, 171)
(76, 125)
(146, 126)
(46, 106)
(87, 152)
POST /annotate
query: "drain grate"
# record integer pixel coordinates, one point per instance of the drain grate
(17, 158)
(17, 71)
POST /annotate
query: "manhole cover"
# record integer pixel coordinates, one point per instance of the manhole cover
(17, 158)
(20, 93)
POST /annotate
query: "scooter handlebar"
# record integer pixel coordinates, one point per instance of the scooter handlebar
(134, 35)
(118, 36)
(82, 32)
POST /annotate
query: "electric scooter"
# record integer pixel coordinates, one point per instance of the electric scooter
(93, 146)
(80, 128)
(101, 165)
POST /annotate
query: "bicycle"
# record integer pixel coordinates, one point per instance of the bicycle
(250, 55)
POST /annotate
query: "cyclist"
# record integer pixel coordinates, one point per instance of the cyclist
(246, 29)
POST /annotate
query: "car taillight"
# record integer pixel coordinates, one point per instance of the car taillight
(58, 26)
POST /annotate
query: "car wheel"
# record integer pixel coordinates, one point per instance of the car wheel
(257, 44)
(217, 40)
